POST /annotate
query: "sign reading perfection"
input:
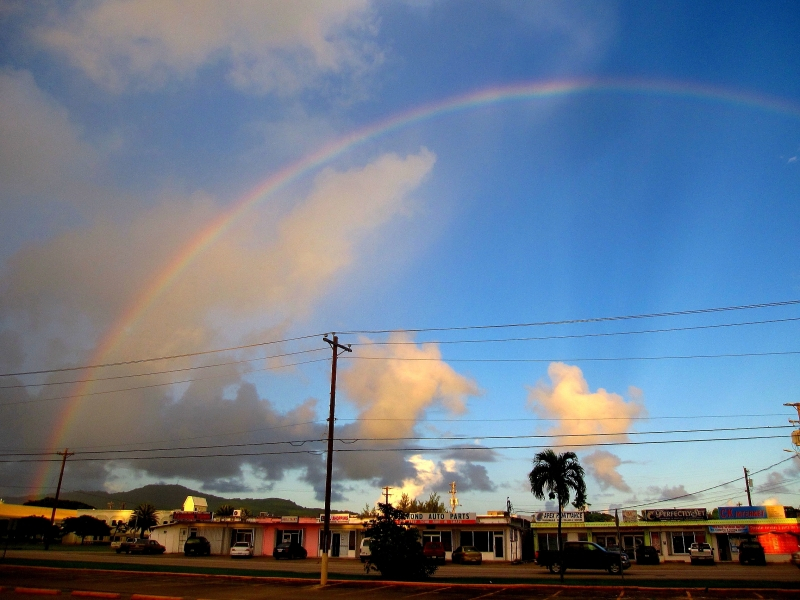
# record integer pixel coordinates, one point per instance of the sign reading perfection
(675, 514)
(751, 512)
(441, 518)
(345, 518)
(291, 519)
(569, 516)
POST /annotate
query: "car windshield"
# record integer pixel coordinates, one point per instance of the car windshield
(241, 545)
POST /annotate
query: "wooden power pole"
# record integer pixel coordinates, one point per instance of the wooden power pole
(65, 455)
(326, 529)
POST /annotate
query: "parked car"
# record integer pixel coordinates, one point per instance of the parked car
(647, 555)
(583, 555)
(434, 551)
(365, 552)
(118, 540)
(467, 554)
(289, 550)
(701, 552)
(751, 552)
(141, 546)
(241, 550)
(197, 546)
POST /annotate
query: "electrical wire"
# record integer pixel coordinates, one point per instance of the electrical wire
(576, 336)
(165, 384)
(595, 359)
(407, 438)
(180, 370)
(158, 358)
(404, 449)
(578, 321)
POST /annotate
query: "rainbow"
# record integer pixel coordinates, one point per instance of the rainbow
(519, 92)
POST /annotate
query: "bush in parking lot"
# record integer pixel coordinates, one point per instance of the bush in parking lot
(395, 549)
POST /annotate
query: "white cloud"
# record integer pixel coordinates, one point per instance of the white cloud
(602, 465)
(266, 46)
(598, 416)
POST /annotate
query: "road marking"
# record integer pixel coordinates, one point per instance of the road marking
(621, 594)
(85, 594)
(436, 591)
(490, 594)
(40, 591)
(759, 595)
(688, 595)
(554, 595)
(149, 597)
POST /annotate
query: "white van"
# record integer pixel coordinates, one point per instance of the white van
(365, 551)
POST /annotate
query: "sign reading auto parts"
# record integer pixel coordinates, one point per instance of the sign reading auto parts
(441, 519)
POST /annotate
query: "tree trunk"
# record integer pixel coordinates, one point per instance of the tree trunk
(560, 549)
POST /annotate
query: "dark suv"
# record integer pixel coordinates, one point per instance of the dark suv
(197, 546)
(751, 552)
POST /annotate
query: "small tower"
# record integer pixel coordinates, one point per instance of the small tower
(453, 499)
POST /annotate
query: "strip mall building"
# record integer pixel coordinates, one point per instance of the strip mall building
(498, 535)
(672, 531)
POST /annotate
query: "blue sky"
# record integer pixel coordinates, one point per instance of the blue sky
(668, 183)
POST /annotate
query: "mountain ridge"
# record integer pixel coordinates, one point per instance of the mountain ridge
(170, 496)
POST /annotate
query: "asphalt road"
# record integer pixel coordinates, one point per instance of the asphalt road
(42, 583)
(718, 575)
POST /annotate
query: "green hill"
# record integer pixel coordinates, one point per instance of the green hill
(171, 497)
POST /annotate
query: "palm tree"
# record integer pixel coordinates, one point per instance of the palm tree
(556, 475)
(225, 510)
(143, 517)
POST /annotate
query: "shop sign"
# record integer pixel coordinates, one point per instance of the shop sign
(441, 518)
(569, 516)
(345, 518)
(729, 529)
(675, 514)
(785, 528)
(293, 519)
(629, 516)
(743, 512)
(181, 516)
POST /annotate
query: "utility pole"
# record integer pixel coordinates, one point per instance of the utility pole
(65, 455)
(747, 483)
(386, 493)
(326, 530)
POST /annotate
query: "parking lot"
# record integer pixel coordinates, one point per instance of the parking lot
(717, 575)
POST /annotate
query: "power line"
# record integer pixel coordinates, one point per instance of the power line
(589, 359)
(713, 487)
(407, 438)
(142, 387)
(407, 449)
(577, 321)
(158, 358)
(576, 336)
(114, 377)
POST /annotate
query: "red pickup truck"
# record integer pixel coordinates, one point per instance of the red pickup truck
(141, 546)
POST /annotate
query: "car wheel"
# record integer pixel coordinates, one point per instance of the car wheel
(555, 568)
(118, 550)
(613, 568)
(693, 561)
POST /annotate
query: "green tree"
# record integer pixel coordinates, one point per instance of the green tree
(143, 517)
(368, 512)
(405, 503)
(557, 475)
(85, 525)
(395, 548)
(433, 504)
(30, 528)
(225, 510)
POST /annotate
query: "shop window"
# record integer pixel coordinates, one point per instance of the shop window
(549, 541)
(351, 544)
(289, 535)
(681, 540)
(583, 537)
(606, 541)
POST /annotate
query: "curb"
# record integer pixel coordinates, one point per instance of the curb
(149, 597)
(37, 591)
(83, 594)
